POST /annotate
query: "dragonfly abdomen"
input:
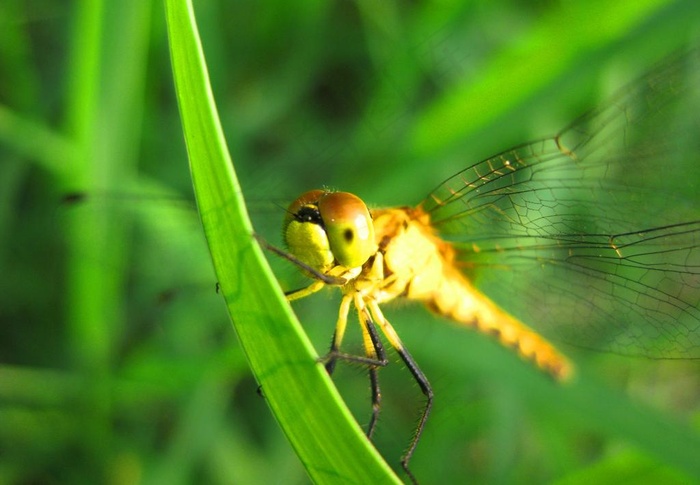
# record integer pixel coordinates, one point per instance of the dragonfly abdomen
(456, 299)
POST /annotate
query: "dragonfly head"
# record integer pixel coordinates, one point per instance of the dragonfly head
(324, 229)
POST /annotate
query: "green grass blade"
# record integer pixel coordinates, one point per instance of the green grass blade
(325, 436)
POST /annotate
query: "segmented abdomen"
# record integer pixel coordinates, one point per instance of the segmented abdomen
(456, 299)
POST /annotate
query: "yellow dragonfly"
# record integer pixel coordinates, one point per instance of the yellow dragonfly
(592, 237)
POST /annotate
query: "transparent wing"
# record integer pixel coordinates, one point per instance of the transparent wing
(593, 236)
(164, 251)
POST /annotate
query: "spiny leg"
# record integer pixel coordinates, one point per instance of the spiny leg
(428, 392)
(375, 350)
(375, 355)
(327, 279)
(306, 291)
(376, 400)
(418, 376)
(334, 354)
(332, 357)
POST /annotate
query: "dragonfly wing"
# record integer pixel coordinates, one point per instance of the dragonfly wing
(593, 236)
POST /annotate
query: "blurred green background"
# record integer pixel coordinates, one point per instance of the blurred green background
(118, 363)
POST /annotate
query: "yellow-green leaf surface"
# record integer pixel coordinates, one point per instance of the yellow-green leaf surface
(325, 436)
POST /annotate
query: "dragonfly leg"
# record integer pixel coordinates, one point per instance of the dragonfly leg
(376, 400)
(373, 350)
(304, 292)
(334, 354)
(332, 357)
(375, 355)
(417, 374)
(428, 392)
(321, 277)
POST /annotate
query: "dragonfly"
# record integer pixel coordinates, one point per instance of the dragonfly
(590, 237)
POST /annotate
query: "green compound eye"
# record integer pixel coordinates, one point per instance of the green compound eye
(349, 228)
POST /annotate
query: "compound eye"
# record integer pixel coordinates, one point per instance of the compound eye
(305, 200)
(304, 234)
(349, 228)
